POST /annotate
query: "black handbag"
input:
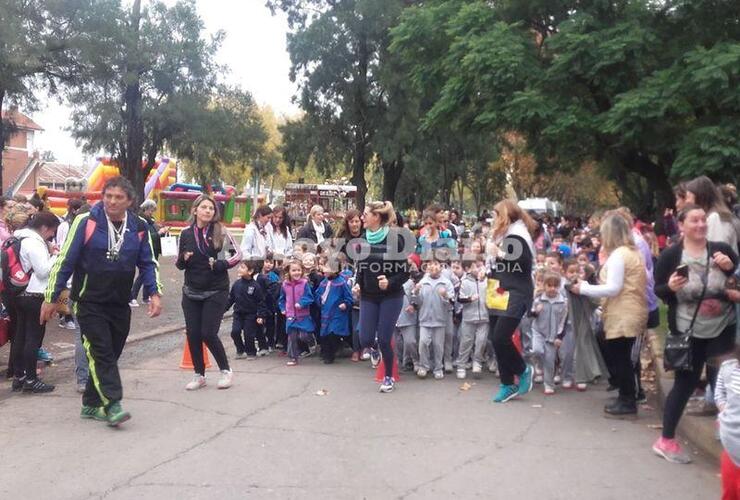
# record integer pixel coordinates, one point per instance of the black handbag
(677, 352)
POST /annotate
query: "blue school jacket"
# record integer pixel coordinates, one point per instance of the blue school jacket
(330, 295)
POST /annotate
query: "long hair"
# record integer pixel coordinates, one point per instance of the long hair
(284, 226)
(344, 231)
(616, 232)
(708, 197)
(218, 227)
(508, 212)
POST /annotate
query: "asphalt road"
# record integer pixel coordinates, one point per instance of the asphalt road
(273, 436)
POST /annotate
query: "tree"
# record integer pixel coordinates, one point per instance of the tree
(145, 83)
(336, 51)
(645, 89)
(40, 47)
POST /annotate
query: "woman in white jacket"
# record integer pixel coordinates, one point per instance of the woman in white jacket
(279, 238)
(37, 259)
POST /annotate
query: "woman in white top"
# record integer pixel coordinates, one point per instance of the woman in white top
(36, 258)
(316, 228)
(254, 243)
(279, 239)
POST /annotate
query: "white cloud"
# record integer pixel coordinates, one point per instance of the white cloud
(254, 50)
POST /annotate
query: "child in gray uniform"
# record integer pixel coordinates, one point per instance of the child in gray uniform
(433, 295)
(550, 311)
(407, 327)
(727, 397)
(474, 328)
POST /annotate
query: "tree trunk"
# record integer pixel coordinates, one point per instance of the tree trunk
(2, 139)
(134, 126)
(359, 156)
(392, 172)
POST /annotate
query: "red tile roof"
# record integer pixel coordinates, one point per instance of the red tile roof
(20, 120)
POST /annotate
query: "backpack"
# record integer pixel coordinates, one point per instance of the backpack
(15, 279)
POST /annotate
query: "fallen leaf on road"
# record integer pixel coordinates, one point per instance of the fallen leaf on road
(322, 392)
(536, 406)
(467, 386)
(655, 426)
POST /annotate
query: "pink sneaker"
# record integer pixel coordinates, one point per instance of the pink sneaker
(671, 450)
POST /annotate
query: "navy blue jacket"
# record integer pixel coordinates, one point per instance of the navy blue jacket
(248, 298)
(96, 279)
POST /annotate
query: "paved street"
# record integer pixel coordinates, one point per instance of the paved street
(272, 436)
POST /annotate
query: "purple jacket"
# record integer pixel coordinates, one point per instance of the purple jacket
(647, 255)
(296, 292)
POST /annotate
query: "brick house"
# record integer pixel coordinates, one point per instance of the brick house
(20, 159)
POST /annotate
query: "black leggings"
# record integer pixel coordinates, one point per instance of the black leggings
(28, 335)
(510, 362)
(202, 323)
(685, 381)
(380, 318)
(618, 352)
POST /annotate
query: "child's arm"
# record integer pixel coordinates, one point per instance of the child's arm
(309, 297)
(232, 297)
(562, 322)
(466, 293)
(259, 295)
(347, 296)
(720, 389)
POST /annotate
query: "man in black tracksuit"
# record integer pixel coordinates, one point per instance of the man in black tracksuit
(250, 310)
(101, 253)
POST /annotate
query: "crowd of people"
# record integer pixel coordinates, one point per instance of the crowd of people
(533, 299)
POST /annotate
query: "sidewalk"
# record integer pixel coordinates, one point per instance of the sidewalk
(316, 431)
(701, 431)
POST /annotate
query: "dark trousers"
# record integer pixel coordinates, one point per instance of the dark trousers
(329, 346)
(202, 323)
(247, 326)
(378, 320)
(269, 328)
(28, 335)
(9, 303)
(137, 287)
(281, 333)
(685, 381)
(510, 362)
(104, 329)
(619, 354)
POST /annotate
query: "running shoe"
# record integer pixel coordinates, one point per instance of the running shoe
(549, 390)
(115, 414)
(17, 385)
(567, 384)
(461, 373)
(439, 375)
(365, 355)
(387, 385)
(421, 373)
(581, 387)
(506, 393)
(133, 303)
(93, 412)
(37, 386)
(241, 355)
(71, 325)
(292, 362)
(262, 352)
(375, 358)
(227, 376)
(525, 381)
(44, 355)
(671, 450)
(198, 382)
(477, 369)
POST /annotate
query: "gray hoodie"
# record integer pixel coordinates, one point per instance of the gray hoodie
(434, 311)
(406, 318)
(550, 322)
(473, 311)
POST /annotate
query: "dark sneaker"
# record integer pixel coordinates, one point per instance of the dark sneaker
(36, 387)
(375, 358)
(621, 409)
(93, 412)
(641, 397)
(116, 416)
(18, 384)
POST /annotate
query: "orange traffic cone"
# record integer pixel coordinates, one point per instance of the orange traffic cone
(187, 361)
(380, 371)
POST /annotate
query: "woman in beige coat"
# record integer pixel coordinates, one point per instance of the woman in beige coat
(625, 309)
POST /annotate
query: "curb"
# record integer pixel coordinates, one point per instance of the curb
(700, 431)
(143, 336)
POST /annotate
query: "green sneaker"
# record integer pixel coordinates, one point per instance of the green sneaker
(93, 412)
(505, 393)
(116, 416)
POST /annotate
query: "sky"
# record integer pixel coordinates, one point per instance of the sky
(254, 49)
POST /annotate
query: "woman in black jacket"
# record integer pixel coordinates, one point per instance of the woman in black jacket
(380, 277)
(205, 293)
(681, 273)
(316, 229)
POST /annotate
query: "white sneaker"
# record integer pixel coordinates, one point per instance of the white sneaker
(460, 373)
(225, 381)
(241, 355)
(538, 379)
(263, 352)
(365, 355)
(556, 379)
(549, 391)
(198, 382)
(71, 325)
(581, 387)
(567, 384)
(477, 369)
(133, 303)
(439, 375)
(421, 373)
